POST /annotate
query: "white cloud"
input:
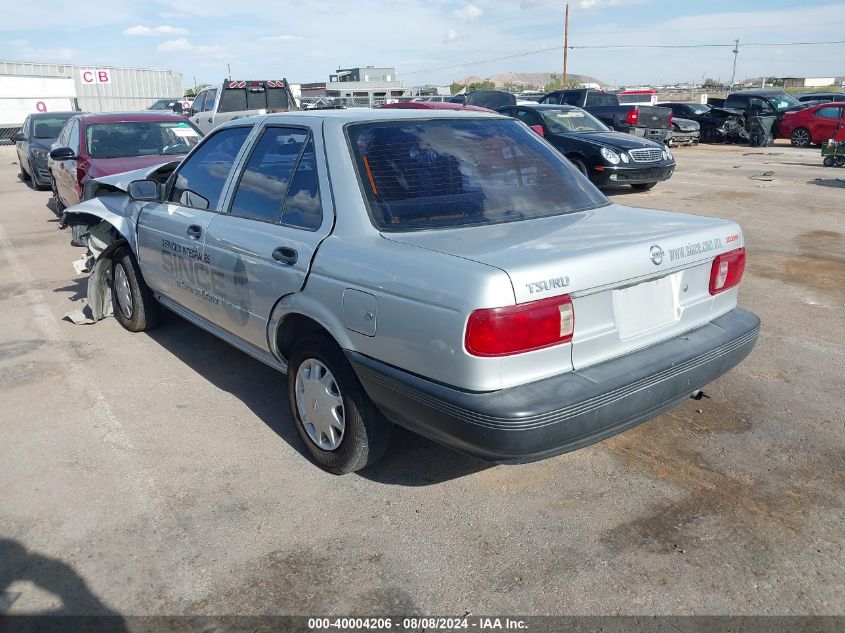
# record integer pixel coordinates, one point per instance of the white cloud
(468, 13)
(451, 35)
(26, 51)
(183, 45)
(155, 31)
(281, 38)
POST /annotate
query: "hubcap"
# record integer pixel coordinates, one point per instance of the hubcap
(319, 404)
(801, 137)
(122, 290)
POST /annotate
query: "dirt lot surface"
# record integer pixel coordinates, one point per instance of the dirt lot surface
(160, 473)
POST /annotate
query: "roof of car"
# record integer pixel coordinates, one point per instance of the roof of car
(352, 115)
(49, 115)
(431, 105)
(547, 106)
(130, 117)
(759, 91)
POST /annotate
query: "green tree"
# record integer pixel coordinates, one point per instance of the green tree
(555, 83)
(192, 92)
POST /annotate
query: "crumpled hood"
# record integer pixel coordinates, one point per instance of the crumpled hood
(122, 179)
(686, 125)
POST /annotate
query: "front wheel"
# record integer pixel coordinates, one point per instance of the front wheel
(340, 426)
(828, 161)
(800, 137)
(58, 205)
(133, 303)
(644, 186)
(580, 166)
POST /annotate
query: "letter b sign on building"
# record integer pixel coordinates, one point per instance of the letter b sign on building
(90, 76)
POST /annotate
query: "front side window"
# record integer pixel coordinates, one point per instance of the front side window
(210, 98)
(446, 173)
(140, 138)
(200, 179)
(264, 182)
(73, 140)
(199, 100)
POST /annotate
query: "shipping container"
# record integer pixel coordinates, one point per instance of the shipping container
(106, 88)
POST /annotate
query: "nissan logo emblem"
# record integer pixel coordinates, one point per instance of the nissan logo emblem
(656, 254)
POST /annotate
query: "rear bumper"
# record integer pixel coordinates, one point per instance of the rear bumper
(564, 412)
(654, 133)
(631, 175)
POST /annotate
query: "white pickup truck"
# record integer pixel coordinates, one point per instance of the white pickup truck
(234, 99)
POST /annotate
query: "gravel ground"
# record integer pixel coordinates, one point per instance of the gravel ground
(160, 473)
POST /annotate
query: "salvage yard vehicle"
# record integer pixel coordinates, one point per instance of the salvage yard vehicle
(235, 99)
(717, 124)
(647, 121)
(37, 135)
(604, 156)
(94, 145)
(823, 97)
(814, 125)
(446, 271)
(684, 132)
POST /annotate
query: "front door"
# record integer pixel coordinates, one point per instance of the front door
(170, 234)
(261, 249)
(65, 171)
(826, 122)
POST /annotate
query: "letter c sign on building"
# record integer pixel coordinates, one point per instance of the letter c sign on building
(90, 76)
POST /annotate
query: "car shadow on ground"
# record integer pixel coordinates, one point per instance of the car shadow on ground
(56, 578)
(829, 182)
(79, 288)
(411, 460)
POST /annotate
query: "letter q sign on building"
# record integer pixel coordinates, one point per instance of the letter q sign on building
(90, 76)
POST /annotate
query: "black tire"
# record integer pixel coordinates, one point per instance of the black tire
(707, 133)
(839, 161)
(58, 205)
(144, 310)
(644, 186)
(800, 137)
(24, 174)
(366, 433)
(579, 165)
(828, 161)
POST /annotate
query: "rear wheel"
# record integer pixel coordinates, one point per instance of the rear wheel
(828, 161)
(340, 426)
(644, 186)
(839, 161)
(133, 303)
(800, 137)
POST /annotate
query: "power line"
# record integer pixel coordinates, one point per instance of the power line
(620, 46)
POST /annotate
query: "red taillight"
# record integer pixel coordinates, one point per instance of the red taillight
(633, 116)
(726, 271)
(670, 119)
(520, 328)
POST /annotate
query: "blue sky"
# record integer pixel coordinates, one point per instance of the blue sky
(308, 39)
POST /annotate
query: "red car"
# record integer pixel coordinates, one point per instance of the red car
(432, 105)
(96, 145)
(814, 125)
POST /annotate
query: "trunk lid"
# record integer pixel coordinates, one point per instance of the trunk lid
(625, 268)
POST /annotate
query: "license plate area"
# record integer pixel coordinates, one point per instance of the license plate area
(646, 307)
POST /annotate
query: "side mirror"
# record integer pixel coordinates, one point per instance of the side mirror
(177, 108)
(62, 153)
(18, 137)
(144, 190)
(538, 129)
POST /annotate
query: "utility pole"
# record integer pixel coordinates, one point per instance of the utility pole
(565, 46)
(228, 72)
(736, 52)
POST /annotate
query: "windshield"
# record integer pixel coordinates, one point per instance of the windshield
(48, 127)
(563, 121)
(448, 173)
(784, 101)
(699, 108)
(140, 138)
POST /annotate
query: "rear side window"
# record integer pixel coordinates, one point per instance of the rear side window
(264, 182)
(303, 207)
(829, 112)
(200, 179)
(447, 173)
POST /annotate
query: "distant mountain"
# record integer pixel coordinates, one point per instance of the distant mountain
(531, 81)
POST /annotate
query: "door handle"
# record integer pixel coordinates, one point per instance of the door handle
(209, 119)
(194, 232)
(285, 255)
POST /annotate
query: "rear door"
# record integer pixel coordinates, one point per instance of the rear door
(170, 234)
(826, 121)
(262, 248)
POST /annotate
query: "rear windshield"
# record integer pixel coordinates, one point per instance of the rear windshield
(48, 127)
(140, 138)
(447, 173)
(253, 98)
